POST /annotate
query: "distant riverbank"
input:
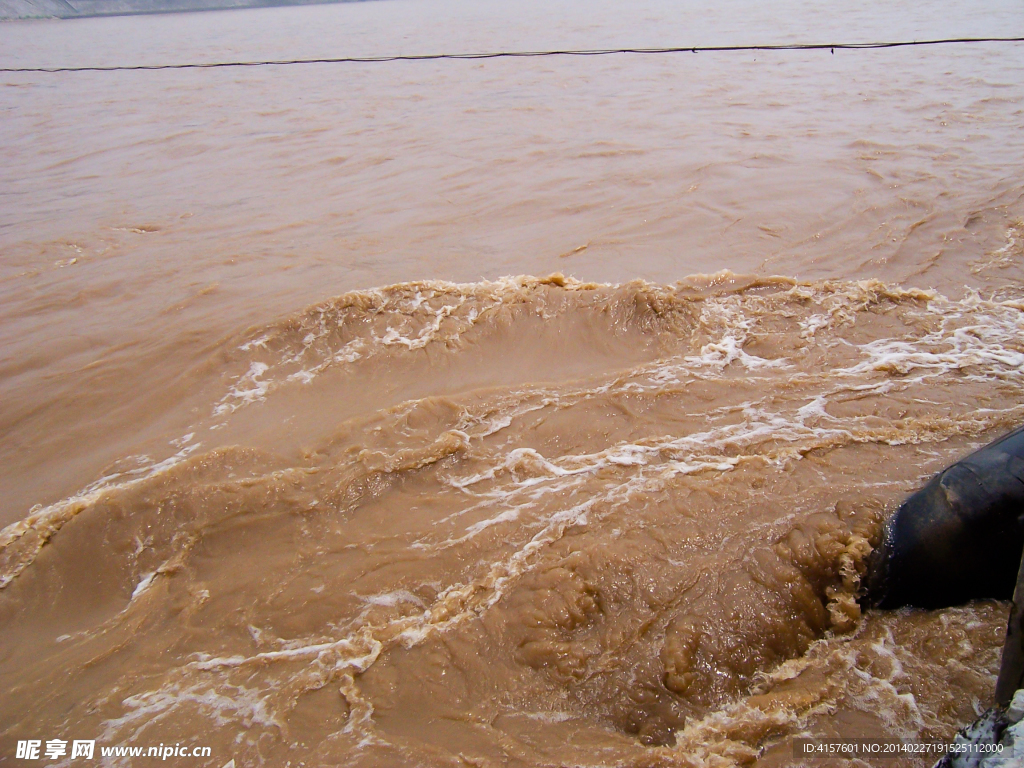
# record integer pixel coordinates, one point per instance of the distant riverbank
(11, 10)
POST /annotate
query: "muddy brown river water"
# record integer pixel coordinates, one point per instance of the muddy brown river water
(525, 412)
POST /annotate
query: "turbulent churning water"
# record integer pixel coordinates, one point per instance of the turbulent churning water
(292, 471)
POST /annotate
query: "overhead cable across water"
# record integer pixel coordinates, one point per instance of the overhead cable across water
(833, 47)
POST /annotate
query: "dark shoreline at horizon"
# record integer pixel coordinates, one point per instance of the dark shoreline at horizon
(20, 10)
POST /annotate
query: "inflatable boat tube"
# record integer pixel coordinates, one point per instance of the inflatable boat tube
(957, 539)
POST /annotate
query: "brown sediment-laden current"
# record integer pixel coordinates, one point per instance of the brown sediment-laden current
(293, 471)
(564, 523)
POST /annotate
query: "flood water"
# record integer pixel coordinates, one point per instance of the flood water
(526, 412)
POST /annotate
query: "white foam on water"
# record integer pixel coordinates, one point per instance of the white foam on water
(249, 389)
(258, 343)
(391, 599)
(233, 705)
(142, 585)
